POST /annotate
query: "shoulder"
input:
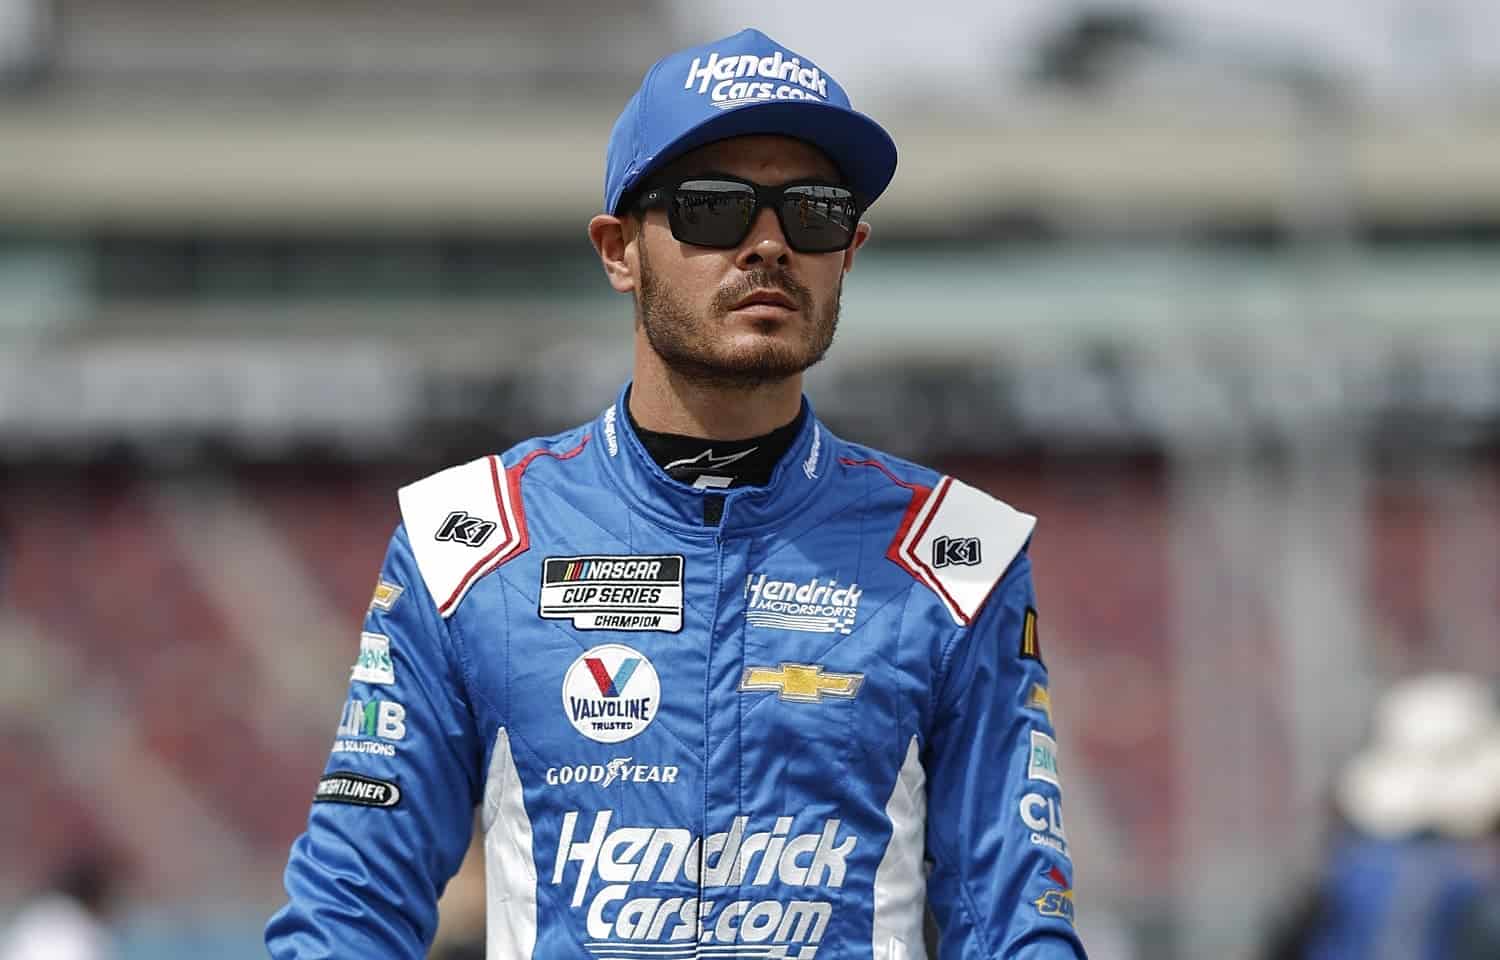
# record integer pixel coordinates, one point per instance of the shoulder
(467, 520)
(953, 538)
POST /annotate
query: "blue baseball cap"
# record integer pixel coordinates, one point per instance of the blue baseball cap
(743, 84)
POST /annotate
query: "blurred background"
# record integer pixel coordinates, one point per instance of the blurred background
(1211, 288)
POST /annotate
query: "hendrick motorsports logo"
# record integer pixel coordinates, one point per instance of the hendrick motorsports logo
(613, 593)
(629, 857)
(816, 606)
(611, 693)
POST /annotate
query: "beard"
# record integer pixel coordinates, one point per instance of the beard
(693, 347)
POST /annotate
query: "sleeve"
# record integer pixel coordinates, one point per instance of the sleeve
(1001, 879)
(392, 816)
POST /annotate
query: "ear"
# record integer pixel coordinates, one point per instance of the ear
(861, 234)
(612, 238)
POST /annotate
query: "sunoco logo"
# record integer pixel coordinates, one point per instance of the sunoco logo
(816, 606)
(611, 693)
(737, 80)
(625, 857)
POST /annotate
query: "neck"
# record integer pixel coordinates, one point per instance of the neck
(667, 402)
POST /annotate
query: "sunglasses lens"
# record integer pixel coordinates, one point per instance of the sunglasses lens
(712, 213)
(819, 219)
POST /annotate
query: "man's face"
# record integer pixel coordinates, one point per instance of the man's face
(712, 315)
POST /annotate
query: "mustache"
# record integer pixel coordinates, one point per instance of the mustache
(763, 279)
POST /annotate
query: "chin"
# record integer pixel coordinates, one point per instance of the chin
(777, 362)
(746, 341)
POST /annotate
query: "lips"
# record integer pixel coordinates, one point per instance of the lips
(768, 298)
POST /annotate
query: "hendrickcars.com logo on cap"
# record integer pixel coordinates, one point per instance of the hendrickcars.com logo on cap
(746, 78)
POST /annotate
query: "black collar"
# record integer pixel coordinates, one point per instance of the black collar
(718, 464)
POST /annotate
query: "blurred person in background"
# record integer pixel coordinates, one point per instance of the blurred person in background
(1415, 873)
(71, 919)
(713, 675)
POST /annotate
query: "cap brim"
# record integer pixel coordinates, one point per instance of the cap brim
(863, 151)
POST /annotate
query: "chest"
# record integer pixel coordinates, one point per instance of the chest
(756, 667)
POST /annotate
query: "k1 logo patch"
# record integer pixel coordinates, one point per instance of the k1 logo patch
(959, 551)
(613, 592)
(459, 527)
(611, 693)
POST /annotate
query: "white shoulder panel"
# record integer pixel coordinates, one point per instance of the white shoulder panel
(461, 525)
(961, 542)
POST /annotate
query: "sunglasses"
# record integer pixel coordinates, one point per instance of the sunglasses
(718, 211)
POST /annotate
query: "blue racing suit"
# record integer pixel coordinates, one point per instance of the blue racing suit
(754, 722)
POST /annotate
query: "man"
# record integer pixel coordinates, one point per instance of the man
(723, 684)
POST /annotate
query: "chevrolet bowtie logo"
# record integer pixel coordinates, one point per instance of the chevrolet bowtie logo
(803, 682)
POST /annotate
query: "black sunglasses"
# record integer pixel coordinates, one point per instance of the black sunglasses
(717, 210)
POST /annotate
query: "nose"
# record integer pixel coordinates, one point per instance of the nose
(765, 244)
